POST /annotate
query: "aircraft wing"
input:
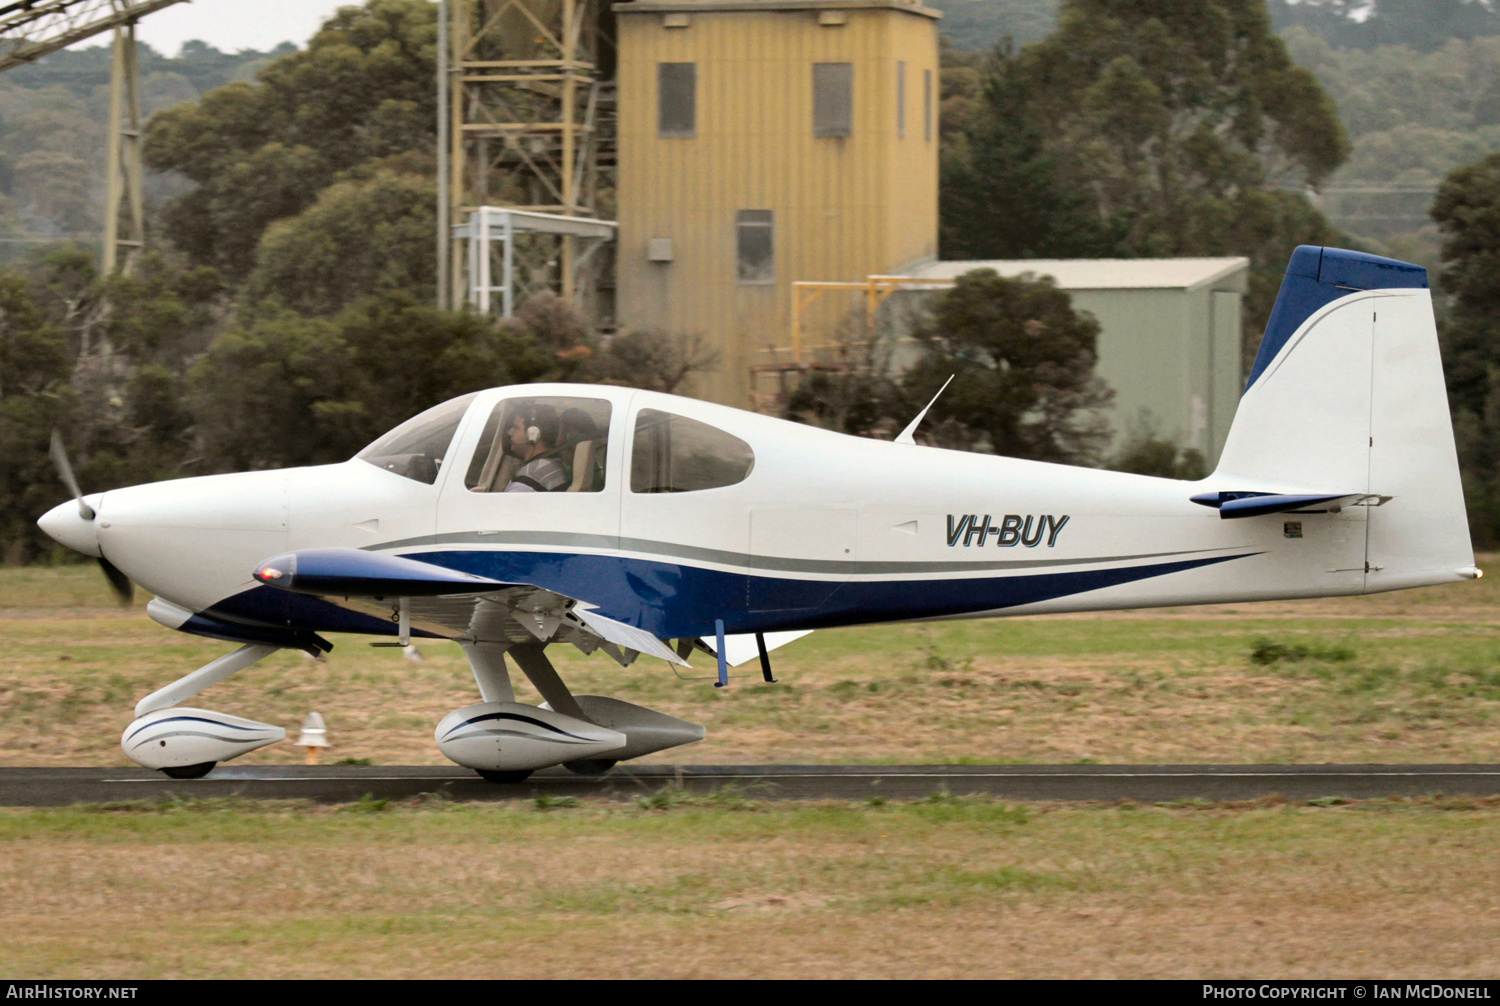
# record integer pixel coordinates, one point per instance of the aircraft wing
(456, 605)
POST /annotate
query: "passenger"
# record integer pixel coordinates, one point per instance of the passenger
(531, 439)
(576, 444)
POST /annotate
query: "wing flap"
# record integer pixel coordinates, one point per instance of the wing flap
(627, 636)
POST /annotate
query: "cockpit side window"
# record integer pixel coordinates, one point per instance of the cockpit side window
(542, 444)
(674, 454)
(416, 448)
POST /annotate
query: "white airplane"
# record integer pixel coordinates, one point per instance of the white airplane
(641, 523)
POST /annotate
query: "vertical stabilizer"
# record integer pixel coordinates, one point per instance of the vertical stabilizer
(1347, 396)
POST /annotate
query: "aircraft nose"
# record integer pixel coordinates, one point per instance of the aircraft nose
(64, 524)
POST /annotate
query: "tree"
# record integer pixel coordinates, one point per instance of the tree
(1022, 362)
(361, 236)
(1149, 128)
(279, 388)
(34, 399)
(655, 361)
(407, 357)
(260, 152)
(1164, 107)
(1004, 194)
(1467, 211)
(1145, 451)
(272, 392)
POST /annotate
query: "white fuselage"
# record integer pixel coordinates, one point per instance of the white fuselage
(826, 529)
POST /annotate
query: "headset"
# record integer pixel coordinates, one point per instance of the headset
(539, 420)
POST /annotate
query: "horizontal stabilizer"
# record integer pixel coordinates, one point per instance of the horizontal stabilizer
(353, 572)
(1257, 504)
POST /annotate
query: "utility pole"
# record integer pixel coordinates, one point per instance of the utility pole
(31, 29)
(123, 185)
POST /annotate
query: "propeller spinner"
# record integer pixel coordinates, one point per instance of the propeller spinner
(79, 533)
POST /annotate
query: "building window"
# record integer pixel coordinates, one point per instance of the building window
(755, 244)
(677, 100)
(833, 99)
(926, 104)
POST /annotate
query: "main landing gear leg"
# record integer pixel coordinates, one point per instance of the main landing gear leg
(487, 661)
(533, 661)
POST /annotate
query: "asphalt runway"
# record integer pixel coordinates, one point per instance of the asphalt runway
(54, 787)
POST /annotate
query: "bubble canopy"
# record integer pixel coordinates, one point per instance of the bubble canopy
(416, 449)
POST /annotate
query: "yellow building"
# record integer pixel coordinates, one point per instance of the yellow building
(763, 142)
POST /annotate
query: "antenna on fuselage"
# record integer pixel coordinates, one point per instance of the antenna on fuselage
(907, 436)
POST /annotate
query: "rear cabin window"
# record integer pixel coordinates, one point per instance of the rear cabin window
(547, 445)
(674, 454)
(416, 449)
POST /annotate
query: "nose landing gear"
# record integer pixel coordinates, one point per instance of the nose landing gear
(186, 743)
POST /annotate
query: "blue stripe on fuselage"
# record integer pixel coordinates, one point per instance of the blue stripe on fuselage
(672, 600)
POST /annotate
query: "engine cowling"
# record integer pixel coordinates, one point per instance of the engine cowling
(180, 736)
(511, 736)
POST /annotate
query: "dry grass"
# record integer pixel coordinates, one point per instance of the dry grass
(952, 888)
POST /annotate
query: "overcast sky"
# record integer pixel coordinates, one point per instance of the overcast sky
(232, 25)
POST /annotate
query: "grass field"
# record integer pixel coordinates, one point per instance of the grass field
(728, 887)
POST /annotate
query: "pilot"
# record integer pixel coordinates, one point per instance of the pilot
(531, 439)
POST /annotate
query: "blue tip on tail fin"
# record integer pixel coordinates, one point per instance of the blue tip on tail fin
(1316, 277)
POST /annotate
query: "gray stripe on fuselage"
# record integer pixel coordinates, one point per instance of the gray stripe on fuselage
(567, 539)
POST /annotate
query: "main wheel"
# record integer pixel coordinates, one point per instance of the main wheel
(519, 775)
(197, 771)
(589, 766)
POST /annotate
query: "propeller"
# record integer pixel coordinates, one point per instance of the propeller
(59, 455)
(118, 581)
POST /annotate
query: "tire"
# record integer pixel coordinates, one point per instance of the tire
(197, 771)
(519, 775)
(589, 766)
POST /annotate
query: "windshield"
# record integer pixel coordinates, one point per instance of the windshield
(416, 448)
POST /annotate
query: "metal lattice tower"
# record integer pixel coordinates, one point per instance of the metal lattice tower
(531, 127)
(29, 30)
